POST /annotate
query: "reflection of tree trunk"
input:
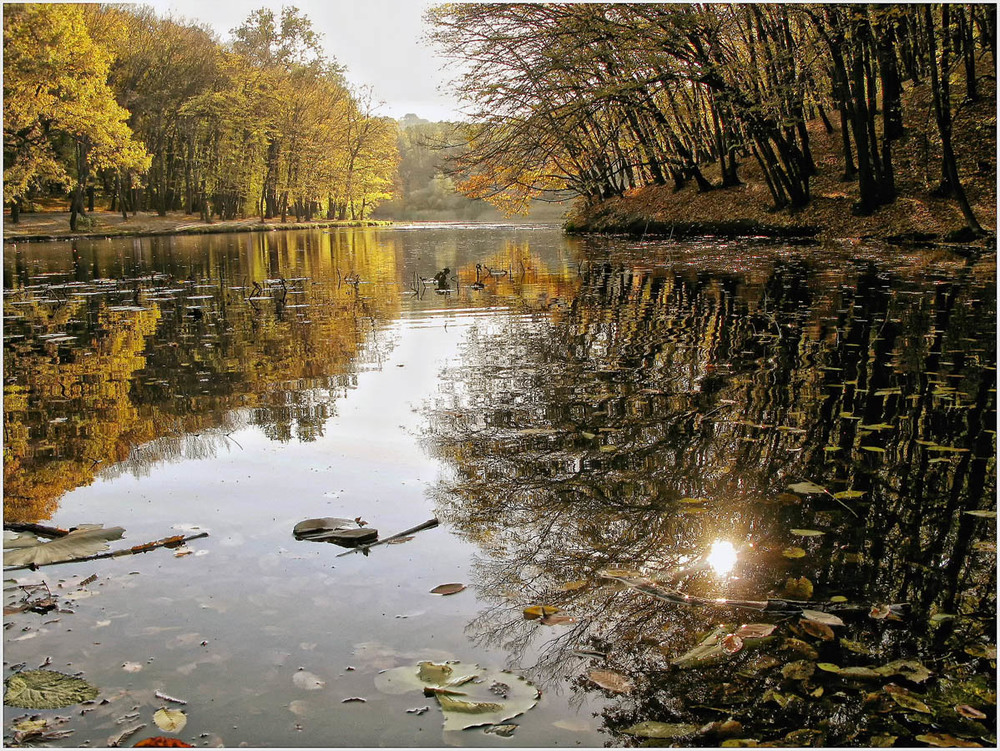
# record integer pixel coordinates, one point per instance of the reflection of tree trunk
(15, 211)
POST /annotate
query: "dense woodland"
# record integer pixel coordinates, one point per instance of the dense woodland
(112, 103)
(601, 98)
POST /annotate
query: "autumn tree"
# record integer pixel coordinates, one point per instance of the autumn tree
(61, 120)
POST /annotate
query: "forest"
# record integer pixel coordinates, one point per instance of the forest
(603, 99)
(156, 114)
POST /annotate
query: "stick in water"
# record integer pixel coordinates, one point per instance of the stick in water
(419, 528)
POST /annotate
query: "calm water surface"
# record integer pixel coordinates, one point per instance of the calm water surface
(565, 407)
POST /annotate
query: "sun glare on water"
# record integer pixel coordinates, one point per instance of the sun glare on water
(722, 557)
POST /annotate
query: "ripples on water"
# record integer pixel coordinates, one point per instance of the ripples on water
(597, 405)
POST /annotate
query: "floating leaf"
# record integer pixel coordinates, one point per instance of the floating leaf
(828, 667)
(941, 618)
(447, 589)
(806, 532)
(799, 670)
(905, 699)
(978, 512)
(162, 741)
(610, 681)
(944, 740)
(800, 588)
(873, 449)
(861, 672)
(971, 712)
(85, 540)
(707, 650)
(570, 586)
(847, 494)
(615, 573)
(46, 689)
(653, 729)
(838, 598)
(817, 629)
(693, 500)
(793, 552)
(909, 669)
(534, 612)
(731, 643)
(820, 617)
(506, 731)
(170, 720)
(487, 696)
(588, 436)
(806, 488)
(132, 667)
(755, 630)
(988, 651)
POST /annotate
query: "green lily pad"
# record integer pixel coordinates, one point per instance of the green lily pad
(46, 689)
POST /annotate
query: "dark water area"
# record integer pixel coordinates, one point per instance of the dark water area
(634, 450)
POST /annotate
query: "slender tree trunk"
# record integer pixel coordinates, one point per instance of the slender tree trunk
(942, 111)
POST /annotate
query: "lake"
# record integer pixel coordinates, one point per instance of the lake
(645, 456)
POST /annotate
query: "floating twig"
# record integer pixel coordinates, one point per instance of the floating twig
(166, 542)
(430, 523)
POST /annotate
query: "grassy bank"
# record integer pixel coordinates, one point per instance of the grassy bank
(45, 226)
(915, 215)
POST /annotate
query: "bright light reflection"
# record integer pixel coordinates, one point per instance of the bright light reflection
(722, 557)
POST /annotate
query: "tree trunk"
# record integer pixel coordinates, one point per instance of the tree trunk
(941, 96)
(15, 211)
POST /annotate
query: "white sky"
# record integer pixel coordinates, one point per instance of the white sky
(378, 40)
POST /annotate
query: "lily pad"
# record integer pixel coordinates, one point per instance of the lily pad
(46, 689)
(85, 540)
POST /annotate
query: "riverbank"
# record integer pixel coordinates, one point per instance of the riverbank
(46, 226)
(915, 216)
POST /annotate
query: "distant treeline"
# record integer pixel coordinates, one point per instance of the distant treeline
(425, 190)
(604, 98)
(153, 114)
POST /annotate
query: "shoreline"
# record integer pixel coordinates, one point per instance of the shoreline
(41, 227)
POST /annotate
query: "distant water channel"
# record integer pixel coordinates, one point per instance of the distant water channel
(600, 425)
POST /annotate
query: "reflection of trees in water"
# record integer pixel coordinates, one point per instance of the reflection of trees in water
(260, 330)
(575, 443)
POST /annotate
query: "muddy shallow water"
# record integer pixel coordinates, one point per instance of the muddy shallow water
(721, 420)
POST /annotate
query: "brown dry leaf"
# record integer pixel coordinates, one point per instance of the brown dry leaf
(820, 617)
(905, 699)
(817, 629)
(971, 712)
(944, 740)
(731, 643)
(793, 552)
(878, 612)
(610, 681)
(447, 589)
(755, 630)
(799, 589)
(534, 612)
(570, 586)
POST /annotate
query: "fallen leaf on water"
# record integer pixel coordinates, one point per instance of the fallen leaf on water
(800, 588)
(978, 512)
(807, 532)
(663, 730)
(909, 669)
(806, 488)
(988, 651)
(447, 589)
(878, 612)
(800, 670)
(755, 630)
(170, 720)
(905, 699)
(132, 667)
(793, 552)
(731, 643)
(534, 612)
(820, 617)
(944, 740)
(817, 629)
(46, 689)
(505, 731)
(162, 741)
(86, 540)
(847, 494)
(570, 586)
(971, 712)
(610, 681)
